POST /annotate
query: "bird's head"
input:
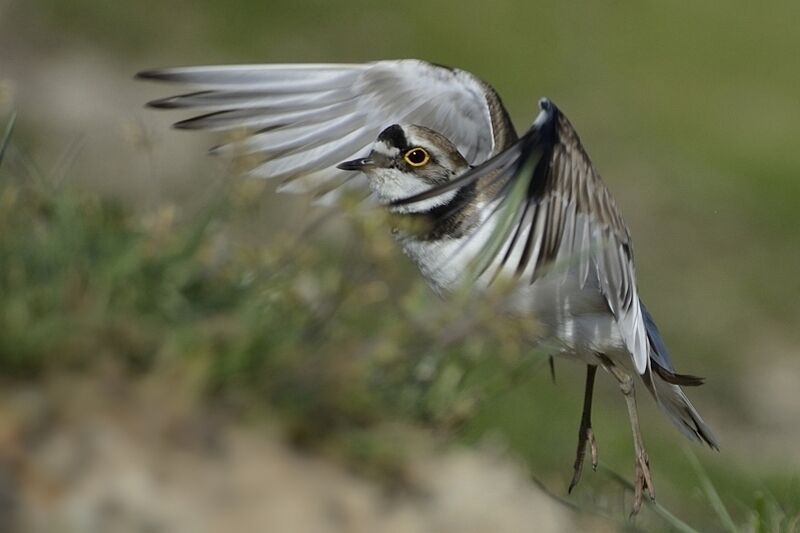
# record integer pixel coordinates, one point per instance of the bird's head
(409, 159)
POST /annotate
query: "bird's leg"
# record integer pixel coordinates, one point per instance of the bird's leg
(585, 433)
(643, 480)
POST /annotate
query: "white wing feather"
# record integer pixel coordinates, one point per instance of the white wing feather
(306, 118)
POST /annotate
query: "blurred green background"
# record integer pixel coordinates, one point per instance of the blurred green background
(116, 243)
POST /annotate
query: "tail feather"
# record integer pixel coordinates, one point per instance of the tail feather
(670, 376)
(681, 412)
(664, 382)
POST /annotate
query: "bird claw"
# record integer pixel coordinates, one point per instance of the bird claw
(585, 436)
(642, 482)
(593, 449)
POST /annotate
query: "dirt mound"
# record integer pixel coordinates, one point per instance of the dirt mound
(114, 458)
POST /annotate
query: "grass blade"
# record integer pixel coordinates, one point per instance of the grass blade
(7, 136)
(712, 495)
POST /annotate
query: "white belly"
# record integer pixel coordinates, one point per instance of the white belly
(575, 321)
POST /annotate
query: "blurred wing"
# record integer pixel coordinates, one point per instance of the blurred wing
(552, 211)
(301, 120)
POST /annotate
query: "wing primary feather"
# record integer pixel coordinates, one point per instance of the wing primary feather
(297, 163)
(290, 101)
(263, 117)
(281, 141)
(515, 238)
(248, 75)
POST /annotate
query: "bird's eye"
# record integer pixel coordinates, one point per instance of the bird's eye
(417, 157)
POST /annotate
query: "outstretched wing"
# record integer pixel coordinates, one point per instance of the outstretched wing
(551, 210)
(301, 120)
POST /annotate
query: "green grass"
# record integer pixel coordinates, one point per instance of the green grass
(331, 333)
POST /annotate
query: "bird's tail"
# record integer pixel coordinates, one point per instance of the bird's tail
(664, 383)
(673, 401)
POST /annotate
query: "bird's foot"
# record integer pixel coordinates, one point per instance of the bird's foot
(585, 436)
(642, 482)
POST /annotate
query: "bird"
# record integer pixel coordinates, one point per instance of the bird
(472, 203)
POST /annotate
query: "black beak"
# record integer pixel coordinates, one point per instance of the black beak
(355, 164)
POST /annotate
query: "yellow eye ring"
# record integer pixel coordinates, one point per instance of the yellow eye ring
(417, 157)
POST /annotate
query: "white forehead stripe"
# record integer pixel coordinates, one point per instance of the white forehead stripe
(382, 148)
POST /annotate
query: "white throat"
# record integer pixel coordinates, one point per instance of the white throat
(389, 185)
